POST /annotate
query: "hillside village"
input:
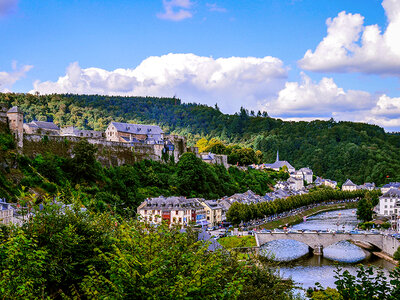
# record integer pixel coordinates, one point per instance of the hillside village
(179, 210)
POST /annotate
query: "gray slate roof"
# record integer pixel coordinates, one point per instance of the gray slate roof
(392, 184)
(279, 164)
(14, 109)
(393, 192)
(137, 128)
(43, 125)
(349, 183)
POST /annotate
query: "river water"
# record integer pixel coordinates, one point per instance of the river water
(307, 269)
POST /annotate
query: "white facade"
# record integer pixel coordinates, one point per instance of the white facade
(349, 186)
(387, 203)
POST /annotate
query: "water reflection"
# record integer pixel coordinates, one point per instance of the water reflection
(308, 270)
(284, 250)
(344, 251)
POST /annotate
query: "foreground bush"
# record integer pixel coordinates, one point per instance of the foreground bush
(69, 254)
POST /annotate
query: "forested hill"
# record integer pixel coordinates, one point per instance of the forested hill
(336, 150)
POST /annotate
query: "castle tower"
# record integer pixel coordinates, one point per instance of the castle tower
(16, 123)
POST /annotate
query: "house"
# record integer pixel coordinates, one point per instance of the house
(41, 127)
(367, 186)
(6, 212)
(305, 174)
(134, 133)
(387, 202)
(349, 186)
(216, 159)
(278, 164)
(389, 206)
(295, 183)
(387, 187)
(213, 212)
(73, 131)
(174, 210)
(330, 183)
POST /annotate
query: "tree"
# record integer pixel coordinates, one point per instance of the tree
(364, 210)
(84, 164)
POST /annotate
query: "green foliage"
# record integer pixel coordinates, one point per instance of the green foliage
(70, 254)
(369, 283)
(366, 204)
(396, 255)
(328, 294)
(364, 210)
(83, 164)
(236, 154)
(238, 241)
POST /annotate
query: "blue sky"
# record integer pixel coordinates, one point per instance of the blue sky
(234, 53)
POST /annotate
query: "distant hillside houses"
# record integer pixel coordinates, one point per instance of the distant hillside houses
(304, 174)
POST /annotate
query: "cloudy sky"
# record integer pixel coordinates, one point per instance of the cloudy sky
(295, 59)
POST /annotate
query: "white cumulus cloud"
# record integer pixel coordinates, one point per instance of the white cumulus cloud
(231, 82)
(352, 47)
(311, 100)
(7, 79)
(317, 100)
(176, 10)
(7, 6)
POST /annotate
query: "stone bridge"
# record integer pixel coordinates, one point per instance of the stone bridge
(317, 241)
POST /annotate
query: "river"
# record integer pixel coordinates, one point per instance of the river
(309, 269)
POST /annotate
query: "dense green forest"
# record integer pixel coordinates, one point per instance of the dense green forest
(336, 150)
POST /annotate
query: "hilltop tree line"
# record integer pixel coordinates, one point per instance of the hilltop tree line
(335, 150)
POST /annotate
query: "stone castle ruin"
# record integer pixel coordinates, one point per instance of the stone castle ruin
(121, 143)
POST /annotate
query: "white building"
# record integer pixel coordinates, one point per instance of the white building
(387, 202)
(134, 133)
(349, 186)
(305, 174)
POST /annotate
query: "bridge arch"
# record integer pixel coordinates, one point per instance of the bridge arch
(323, 240)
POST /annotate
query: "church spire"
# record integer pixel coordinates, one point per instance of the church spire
(277, 155)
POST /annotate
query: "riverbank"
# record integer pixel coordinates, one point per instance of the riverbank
(293, 220)
(386, 257)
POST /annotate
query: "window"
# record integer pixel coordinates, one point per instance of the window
(180, 220)
(177, 212)
(385, 206)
